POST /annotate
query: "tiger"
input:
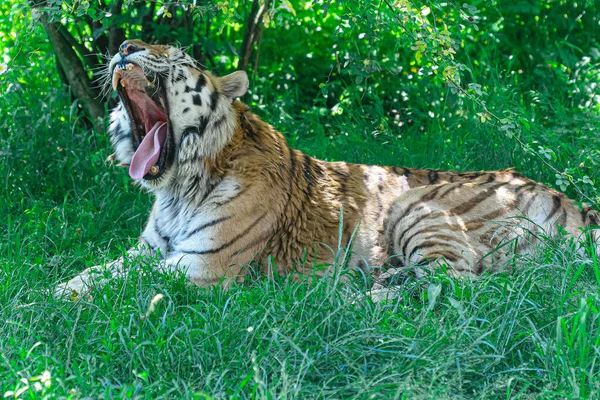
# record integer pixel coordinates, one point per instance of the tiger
(229, 190)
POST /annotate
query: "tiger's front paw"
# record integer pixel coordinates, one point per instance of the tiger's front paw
(391, 277)
(76, 289)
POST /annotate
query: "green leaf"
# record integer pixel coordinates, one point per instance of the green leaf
(286, 5)
(433, 292)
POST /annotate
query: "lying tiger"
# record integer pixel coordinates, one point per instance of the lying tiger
(230, 190)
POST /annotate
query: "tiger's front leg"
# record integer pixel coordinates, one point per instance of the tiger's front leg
(199, 270)
(202, 270)
(99, 275)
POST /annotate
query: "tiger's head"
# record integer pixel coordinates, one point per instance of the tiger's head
(171, 114)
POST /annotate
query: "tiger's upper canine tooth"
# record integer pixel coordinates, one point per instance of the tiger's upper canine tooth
(116, 77)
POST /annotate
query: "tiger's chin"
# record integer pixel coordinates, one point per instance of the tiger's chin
(151, 133)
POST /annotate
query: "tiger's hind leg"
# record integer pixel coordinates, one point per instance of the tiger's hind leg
(481, 226)
(421, 231)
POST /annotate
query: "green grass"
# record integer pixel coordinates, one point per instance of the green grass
(532, 333)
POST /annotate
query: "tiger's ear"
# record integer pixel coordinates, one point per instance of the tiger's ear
(235, 84)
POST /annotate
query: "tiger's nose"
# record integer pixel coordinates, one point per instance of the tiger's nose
(127, 48)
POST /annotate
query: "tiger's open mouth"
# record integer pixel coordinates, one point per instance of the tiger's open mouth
(150, 131)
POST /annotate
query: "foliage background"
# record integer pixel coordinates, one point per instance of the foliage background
(448, 85)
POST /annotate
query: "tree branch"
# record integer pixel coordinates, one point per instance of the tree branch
(258, 48)
(87, 56)
(253, 31)
(72, 67)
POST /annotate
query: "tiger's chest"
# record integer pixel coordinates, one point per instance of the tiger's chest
(179, 224)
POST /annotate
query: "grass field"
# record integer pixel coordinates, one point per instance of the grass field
(533, 333)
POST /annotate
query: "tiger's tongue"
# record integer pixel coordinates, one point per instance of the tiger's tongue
(148, 152)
